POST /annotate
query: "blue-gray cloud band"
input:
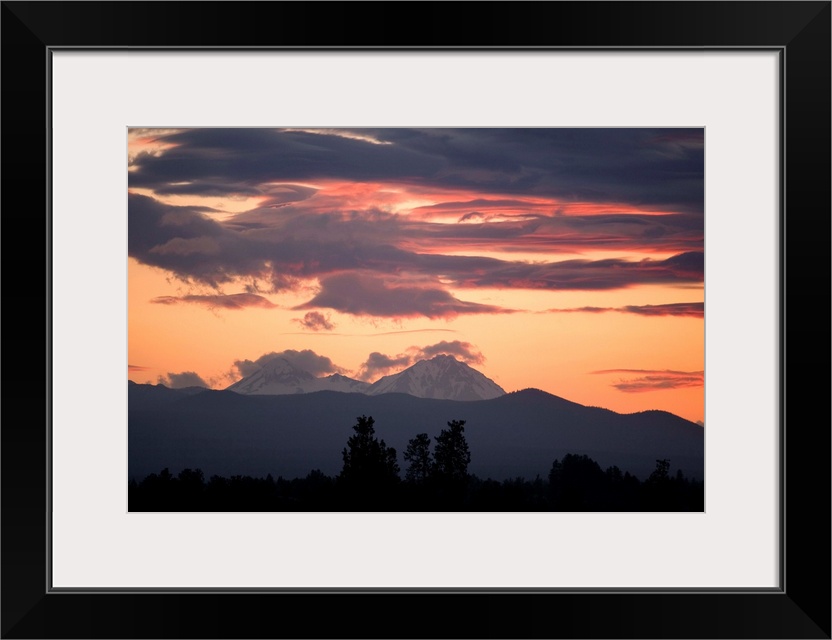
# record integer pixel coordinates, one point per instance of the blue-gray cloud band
(648, 167)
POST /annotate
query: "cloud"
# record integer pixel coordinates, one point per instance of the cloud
(196, 248)
(379, 364)
(306, 360)
(296, 249)
(683, 309)
(678, 309)
(365, 250)
(187, 243)
(188, 246)
(249, 157)
(182, 380)
(418, 205)
(652, 167)
(472, 216)
(532, 227)
(464, 351)
(656, 380)
(582, 310)
(370, 295)
(135, 367)
(207, 188)
(315, 321)
(599, 275)
(234, 301)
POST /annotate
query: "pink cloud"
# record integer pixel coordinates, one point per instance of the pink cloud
(378, 364)
(680, 309)
(306, 359)
(370, 295)
(315, 321)
(182, 380)
(656, 379)
(234, 301)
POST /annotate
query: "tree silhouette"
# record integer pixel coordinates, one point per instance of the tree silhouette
(370, 466)
(659, 489)
(577, 483)
(420, 459)
(451, 455)
(662, 471)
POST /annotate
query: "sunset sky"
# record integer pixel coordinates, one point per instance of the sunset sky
(569, 260)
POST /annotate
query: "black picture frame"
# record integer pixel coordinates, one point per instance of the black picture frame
(800, 608)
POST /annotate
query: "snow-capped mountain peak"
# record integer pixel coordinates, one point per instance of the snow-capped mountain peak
(275, 377)
(338, 382)
(442, 377)
(279, 376)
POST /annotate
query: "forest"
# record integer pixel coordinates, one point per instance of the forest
(435, 478)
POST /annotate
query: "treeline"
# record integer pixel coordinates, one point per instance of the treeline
(434, 480)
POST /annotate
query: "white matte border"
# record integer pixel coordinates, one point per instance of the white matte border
(97, 95)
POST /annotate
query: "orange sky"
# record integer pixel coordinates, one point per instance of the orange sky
(561, 261)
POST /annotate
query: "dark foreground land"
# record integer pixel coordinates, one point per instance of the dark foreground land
(576, 483)
(516, 435)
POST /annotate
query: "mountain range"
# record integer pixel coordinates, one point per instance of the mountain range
(278, 377)
(442, 377)
(283, 421)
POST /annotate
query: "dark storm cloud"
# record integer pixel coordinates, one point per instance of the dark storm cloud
(638, 166)
(207, 188)
(306, 359)
(645, 167)
(378, 364)
(197, 248)
(656, 380)
(250, 157)
(679, 309)
(234, 301)
(187, 243)
(348, 238)
(553, 233)
(596, 275)
(367, 295)
(182, 380)
(315, 321)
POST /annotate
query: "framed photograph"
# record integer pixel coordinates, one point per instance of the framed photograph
(605, 206)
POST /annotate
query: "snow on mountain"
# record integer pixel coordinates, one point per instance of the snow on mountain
(279, 377)
(442, 378)
(337, 382)
(276, 377)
